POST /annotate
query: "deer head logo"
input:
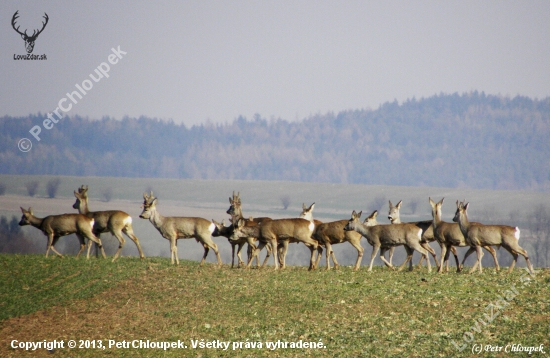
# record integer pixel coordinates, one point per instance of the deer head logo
(29, 40)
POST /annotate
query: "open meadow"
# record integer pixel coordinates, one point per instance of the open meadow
(261, 312)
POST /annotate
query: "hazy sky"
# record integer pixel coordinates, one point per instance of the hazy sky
(197, 60)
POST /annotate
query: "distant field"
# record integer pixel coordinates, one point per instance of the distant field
(352, 314)
(209, 199)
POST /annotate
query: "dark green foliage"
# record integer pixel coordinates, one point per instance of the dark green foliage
(470, 140)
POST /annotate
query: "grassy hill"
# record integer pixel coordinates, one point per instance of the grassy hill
(352, 314)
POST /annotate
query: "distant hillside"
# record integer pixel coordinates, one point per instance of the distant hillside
(470, 140)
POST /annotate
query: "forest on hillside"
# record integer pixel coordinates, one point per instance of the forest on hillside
(449, 140)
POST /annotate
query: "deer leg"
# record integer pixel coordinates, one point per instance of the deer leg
(255, 251)
(232, 253)
(391, 254)
(470, 251)
(95, 239)
(129, 231)
(174, 251)
(375, 249)
(240, 246)
(274, 247)
(430, 250)
(51, 245)
(408, 259)
(494, 254)
(82, 244)
(382, 252)
(281, 253)
(478, 262)
(121, 242)
(328, 248)
(444, 257)
(360, 251)
(209, 244)
(455, 254)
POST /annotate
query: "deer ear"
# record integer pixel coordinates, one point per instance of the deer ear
(30, 211)
(374, 213)
(22, 210)
(466, 206)
(398, 206)
(154, 202)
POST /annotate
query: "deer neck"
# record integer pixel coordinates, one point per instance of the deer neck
(463, 222)
(36, 222)
(437, 217)
(156, 219)
(83, 207)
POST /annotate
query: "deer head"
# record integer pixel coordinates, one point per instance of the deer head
(29, 40)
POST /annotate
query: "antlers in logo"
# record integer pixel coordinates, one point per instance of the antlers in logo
(29, 40)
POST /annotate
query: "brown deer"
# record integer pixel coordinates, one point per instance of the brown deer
(236, 213)
(280, 230)
(448, 235)
(56, 226)
(331, 233)
(174, 228)
(426, 226)
(388, 236)
(478, 235)
(114, 221)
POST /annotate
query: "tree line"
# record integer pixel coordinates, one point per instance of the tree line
(470, 140)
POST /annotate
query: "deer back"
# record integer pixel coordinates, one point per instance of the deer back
(187, 227)
(294, 228)
(66, 224)
(333, 232)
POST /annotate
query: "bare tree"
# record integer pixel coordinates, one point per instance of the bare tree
(378, 202)
(540, 229)
(107, 194)
(32, 187)
(285, 200)
(52, 187)
(413, 205)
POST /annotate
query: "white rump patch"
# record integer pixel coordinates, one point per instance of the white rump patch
(420, 233)
(127, 221)
(212, 227)
(311, 226)
(516, 234)
(92, 222)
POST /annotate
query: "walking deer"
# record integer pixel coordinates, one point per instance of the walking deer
(236, 213)
(114, 221)
(387, 236)
(280, 230)
(56, 226)
(448, 235)
(174, 228)
(332, 233)
(479, 235)
(426, 226)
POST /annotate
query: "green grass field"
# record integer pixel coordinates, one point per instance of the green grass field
(383, 313)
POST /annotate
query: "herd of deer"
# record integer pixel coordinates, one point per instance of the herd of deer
(276, 234)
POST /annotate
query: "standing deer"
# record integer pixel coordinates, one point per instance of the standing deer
(449, 235)
(174, 228)
(235, 210)
(478, 235)
(388, 236)
(55, 226)
(426, 226)
(331, 233)
(114, 221)
(280, 230)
